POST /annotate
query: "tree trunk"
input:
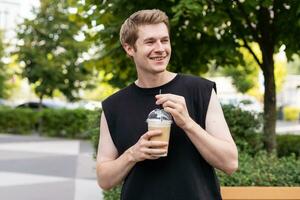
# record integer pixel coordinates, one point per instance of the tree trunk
(40, 120)
(269, 118)
(267, 43)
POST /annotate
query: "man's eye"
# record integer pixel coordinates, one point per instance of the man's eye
(149, 42)
(165, 41)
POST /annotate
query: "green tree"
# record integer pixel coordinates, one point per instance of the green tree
(2, 68)
(268, 23)
(246, 79)
(51, 48)
(205, 32)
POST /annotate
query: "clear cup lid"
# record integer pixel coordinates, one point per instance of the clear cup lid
(159, 115)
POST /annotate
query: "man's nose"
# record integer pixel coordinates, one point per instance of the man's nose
(159, 46)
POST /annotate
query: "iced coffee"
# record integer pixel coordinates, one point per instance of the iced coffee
(160, 119)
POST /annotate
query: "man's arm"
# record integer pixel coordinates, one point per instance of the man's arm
(215, 143)
(112, 168)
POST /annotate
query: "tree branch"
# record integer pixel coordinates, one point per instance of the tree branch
(252, 52)
(246, 17)
(243, 38)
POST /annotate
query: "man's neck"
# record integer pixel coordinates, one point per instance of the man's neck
(154, 80)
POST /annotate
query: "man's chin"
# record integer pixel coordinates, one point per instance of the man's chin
(159, 70)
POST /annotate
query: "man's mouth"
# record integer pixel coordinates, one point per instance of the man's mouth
(158, 58)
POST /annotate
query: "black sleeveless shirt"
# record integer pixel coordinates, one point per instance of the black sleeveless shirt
(183, 174)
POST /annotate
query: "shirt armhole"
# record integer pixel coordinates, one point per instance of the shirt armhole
(109, 124)
(210, 86)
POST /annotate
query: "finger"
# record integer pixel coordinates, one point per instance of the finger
(156, 144)
(158, 96)
(169, 97)
(162, 98)
(170, 104)
(153, 157)
(172, 111)
(156, 152)
(178, 107)
(151, 133)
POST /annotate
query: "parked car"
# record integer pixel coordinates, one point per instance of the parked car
(33, 105)
(45, 104)
(57, 104)
(244, 102)
(89, 105)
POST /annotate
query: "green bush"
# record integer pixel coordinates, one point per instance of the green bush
(113, 194)
(67, 123)
(264, 169)
(17, 121)
(78, 123)
(288, 144)
(244, 127)
(94, 122)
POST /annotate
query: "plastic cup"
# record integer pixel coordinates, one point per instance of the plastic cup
(160, 119)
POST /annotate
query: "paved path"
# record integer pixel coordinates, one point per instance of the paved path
(38, 168)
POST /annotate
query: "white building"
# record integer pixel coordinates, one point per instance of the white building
(290, 93)
(9, 10)
(13, 12)
(9, 17)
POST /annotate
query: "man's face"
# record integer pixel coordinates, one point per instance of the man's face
(153, 49)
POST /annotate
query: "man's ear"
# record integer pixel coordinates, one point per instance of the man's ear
(129, 49)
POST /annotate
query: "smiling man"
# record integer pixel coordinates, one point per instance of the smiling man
(199, 141)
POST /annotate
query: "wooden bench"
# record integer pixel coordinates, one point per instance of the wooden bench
(260, 193)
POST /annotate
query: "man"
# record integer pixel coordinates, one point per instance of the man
(200, 139)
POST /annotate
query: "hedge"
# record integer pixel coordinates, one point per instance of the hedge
(68, 123)
(264, 169)
(288, 144)
(245, 128)
(77, 123)
(17, 121)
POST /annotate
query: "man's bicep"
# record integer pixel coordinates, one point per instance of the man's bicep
(215, 121)
(106, 149)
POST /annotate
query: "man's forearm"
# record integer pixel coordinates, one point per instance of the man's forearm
(111, 173)
(220, 154)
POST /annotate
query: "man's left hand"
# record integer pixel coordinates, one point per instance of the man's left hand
(176, 106)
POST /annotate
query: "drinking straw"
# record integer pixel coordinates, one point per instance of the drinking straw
(160, 109)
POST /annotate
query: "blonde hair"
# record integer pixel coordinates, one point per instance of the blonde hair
(129, 29)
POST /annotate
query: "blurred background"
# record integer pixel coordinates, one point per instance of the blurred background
(60, 58)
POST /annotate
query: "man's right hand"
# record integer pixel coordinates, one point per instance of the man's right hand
(147, 149)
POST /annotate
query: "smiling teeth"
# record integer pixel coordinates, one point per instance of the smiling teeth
(157, 58)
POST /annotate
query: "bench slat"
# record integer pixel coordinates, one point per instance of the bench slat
(260, 193)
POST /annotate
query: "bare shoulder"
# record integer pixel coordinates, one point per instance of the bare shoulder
(216, 124)
(106, 148)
